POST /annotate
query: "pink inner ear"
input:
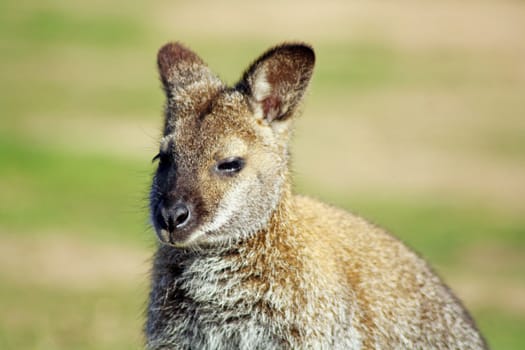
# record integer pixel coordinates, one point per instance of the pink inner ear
(271, 107)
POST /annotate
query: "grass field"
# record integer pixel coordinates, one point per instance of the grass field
(415, 119)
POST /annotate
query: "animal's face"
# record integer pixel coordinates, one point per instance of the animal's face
(223, 158)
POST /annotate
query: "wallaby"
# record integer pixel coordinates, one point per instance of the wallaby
(242, 262)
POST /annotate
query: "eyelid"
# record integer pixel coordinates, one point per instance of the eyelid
(222, 165)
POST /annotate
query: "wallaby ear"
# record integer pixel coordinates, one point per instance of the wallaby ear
(179, 68)
(277, 80)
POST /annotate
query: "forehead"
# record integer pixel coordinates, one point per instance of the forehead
(225, 121)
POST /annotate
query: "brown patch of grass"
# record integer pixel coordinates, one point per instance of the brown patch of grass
(62, 262)
(410, 142)
(475, 24)
(480, 292)
(130, 139)
(485, 278)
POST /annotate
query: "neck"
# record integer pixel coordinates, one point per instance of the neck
(280, 222)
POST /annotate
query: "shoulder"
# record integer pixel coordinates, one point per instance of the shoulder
(351, 239)
(320, 215)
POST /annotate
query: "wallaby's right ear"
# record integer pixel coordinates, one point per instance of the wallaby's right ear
(277, 80)
(179, 67)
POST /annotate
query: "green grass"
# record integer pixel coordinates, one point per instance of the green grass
(53, 27)
(36, 317)
(50, 26)
(502, 330)
(45, 189)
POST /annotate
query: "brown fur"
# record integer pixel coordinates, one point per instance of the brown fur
(254, 266)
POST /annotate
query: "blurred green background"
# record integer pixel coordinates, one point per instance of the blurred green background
(415, 119)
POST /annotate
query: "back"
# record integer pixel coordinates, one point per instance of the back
(401, 302)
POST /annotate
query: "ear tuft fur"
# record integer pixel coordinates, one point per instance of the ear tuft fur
(277, 80)
(173, 56)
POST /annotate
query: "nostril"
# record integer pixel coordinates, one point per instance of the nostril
(179, 216)
(173, 217)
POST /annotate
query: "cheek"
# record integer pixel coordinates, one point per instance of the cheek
(266, 178)
(212, 190)
(270, 177)
(269, 165)
(257, 197)
(245, 200)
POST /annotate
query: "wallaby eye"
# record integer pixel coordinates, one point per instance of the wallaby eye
(230, 166)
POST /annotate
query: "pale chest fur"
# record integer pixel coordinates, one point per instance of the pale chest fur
(236, 300)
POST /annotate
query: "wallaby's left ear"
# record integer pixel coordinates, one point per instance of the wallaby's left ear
(277, 80)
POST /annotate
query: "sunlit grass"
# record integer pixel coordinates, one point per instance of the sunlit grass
(45, 189)
(503, 330)
(36, 317)
(44, 26)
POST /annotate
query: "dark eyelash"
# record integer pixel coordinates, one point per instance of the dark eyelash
(161, 157)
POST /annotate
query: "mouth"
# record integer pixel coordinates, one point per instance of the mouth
(164, 237)
(172, 238)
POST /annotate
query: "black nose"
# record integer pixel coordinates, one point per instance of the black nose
(175, 216)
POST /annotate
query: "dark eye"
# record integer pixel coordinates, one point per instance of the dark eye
(230, 166)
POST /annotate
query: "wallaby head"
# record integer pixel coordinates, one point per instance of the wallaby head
(223, 158)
